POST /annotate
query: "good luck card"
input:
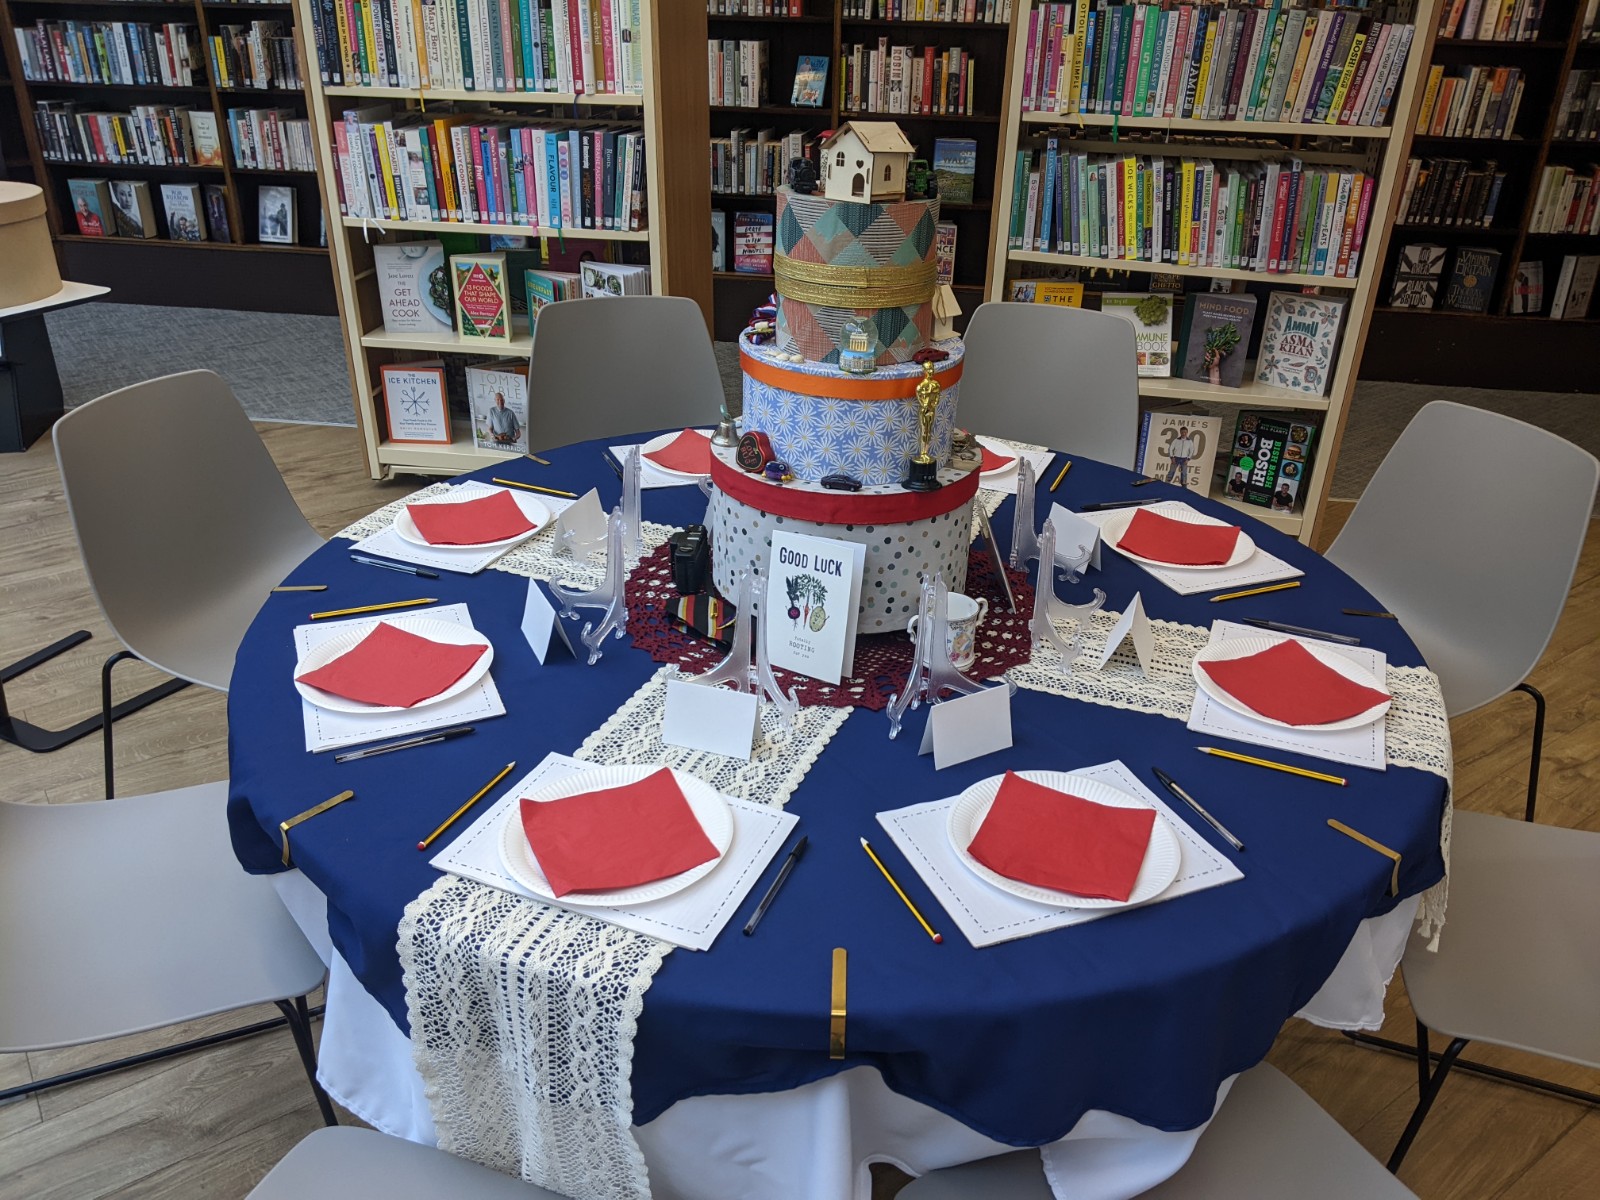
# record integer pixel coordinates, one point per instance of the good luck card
(813, 591)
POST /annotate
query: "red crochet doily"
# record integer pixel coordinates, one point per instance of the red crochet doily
(883, 660)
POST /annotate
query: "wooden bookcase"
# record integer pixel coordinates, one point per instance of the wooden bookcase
(273, 278)
(823, 29)
(672, 112)
(1378, 151)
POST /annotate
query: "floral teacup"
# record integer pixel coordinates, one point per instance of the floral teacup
(963, 615)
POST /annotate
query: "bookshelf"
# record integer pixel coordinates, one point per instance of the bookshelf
(665, 99)
(829, 28)
(162, 269)
(1375, 151)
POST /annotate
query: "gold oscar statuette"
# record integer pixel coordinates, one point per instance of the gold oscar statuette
(923, 476)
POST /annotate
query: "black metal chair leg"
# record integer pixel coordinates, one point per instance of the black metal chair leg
(1538, 745)
(299, 1018)
(32, 737)
(1429, 1090)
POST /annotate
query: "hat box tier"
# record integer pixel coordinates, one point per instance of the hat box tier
(823, 421)
(745, 510)
(28, 270)
(838, 260)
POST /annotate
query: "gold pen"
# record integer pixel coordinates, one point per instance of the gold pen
(285, 826)
(455, 816)
(533, 487)
(1260, 591)
(1372, 844)
(301, 587)
(366, 608)
(543, 462)
(1270, 765)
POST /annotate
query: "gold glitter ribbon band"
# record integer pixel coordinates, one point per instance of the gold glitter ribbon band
(853, 287)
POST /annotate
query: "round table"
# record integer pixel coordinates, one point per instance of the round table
(1140, 1014)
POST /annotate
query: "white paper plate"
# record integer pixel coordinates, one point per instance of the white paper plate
(709, 808)
(1328, 655)
(661, 443)
(1117, 524)
(532, 507)
(1162, 857)
(346, 640)
(995, 447)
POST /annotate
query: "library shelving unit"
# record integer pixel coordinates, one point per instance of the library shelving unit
(828, 28)
(1468, 349)
(1378, 151)
(670, 109)
(243, 272)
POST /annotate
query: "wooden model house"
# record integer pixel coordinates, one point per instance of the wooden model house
(865, 161)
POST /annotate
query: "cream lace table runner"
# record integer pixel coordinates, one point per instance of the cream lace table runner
(523, 1014)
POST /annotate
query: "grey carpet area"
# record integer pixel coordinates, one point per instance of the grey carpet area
(288, 367)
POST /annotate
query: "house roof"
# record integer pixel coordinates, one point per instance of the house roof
(877, 136)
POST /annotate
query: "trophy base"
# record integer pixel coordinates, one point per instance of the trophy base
(924, 476)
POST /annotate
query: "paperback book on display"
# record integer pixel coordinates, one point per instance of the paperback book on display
(1216, 337)
(182, 204)
(955, 166)
(132, 208)
(1178, 448)
(752, 243)
(482, 297)
(615, 279)
(944, 252)
(1150, 314)
(414, 402)
(546, 287)
(1417, 275)
(277, 220)
(498, 394)
(216, 201)
(1472, 275)
(207, 145)
(1045, 291)
(1527, 288)
(91, 206)
(1272, 456)
(719, 240)
(1298, 340)
(810, 81)
(1575, 287)
(414, 286)
(813, 593)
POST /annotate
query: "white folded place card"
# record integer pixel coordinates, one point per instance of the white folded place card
(1259, 568)
(968, 727)
(581, 527)
(1075, 535)
(987, 915)
(716, 719)
(541, 625)
(1133, 625)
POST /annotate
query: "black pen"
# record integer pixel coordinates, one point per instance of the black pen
(612, 459)
(783, 873)
(1344, 639)
(421, 739)
(1171, 784)
(389, 566)
(1362, 612)
(1109, 504)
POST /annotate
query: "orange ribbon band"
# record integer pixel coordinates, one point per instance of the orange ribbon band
(832, 387)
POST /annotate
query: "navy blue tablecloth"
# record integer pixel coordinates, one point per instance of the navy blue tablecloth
(1141, 1013)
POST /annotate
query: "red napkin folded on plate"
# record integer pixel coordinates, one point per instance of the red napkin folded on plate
(472, 522)
(616, 837)
(993, 461)
(1161, 539)
(392, 666)
(1288, 683)
(1037, 835)
(689, 452)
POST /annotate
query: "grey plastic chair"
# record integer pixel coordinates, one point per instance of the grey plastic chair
(121, 916)
(619, 365)
(1269, 1141)
(1055, 376)
(184, 523)
(345, 1163)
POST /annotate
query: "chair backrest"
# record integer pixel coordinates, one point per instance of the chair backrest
(1059, 377)
(182, 518)
(1470, 532)
(620, 365)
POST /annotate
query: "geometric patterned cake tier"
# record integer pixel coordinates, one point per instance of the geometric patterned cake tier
(826, 434)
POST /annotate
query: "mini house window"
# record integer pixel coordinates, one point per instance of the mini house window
(839, 162)
(886, 172)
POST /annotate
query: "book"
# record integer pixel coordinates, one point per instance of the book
(1045, 291)
(413, 286)
(1150, 314)
(1215, 337)
(813, 594)
(216, 202)
(752, 243)
(810, 81)
(719, 240)
(546, 287)
(276, 218)
(207, 145)
(482, 297)
(1178, 448)
(1527, 287)
(1580, 286)
(944, 252)
(414, 403)
(91, 206)
(955, 166)
(497, 393)
(1298, 338)
(1472, 274)
(132, 209)
(182, 205)
(615, 279)
(1272, 456)
(1417, 274)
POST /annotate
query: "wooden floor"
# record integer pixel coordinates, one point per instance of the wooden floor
(210, 1125)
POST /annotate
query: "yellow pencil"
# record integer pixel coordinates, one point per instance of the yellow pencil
(366, 608)
(543, 462)
(898, 891)
(534, 487)
(301, 587)
(1270, 765)
(1065, 468)
(455, 816)
(1260, 591)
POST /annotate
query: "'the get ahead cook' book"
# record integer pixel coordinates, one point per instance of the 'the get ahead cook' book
(813, 594)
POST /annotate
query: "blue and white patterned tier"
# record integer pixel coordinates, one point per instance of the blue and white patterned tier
(872, 440)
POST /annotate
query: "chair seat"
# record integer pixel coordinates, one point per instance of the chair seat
(120, 916)
(1519, 961)
(345, 1163)
(1269, 1141)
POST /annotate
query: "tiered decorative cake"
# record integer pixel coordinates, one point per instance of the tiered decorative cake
(836, 395)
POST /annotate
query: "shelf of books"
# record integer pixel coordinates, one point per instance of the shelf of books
(1221, 176)
(178, 128)
(481, 169)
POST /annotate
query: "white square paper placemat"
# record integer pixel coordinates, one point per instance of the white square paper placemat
(465, 560)
(332, 730)
(986, 915)
(1259, 568)
(1006, 483)
(691, 918)
(650, 475)
(1361, 747)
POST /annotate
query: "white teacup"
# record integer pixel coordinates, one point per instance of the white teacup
(963, 615)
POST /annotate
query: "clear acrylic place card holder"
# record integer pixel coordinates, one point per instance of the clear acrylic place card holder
(1048, 609)
(747, 675)
(1024, 541)
(632, 518)
(608, 597)
(932, 671)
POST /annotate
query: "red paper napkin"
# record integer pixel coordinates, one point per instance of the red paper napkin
(1161, 539)
(993, 461)
(1288, 683)
(689, 452)
(472, 522)
(391, 666)
(1037, 835)
(616, 837)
